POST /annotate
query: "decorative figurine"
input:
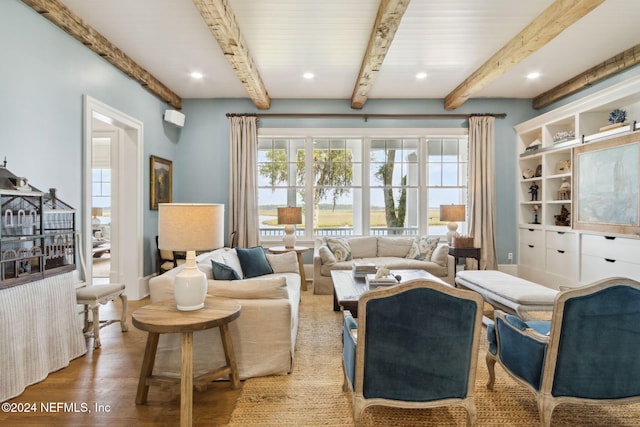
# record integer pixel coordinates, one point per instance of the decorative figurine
(535, 214)
(533, 189)
(564, 218)
(564, 192)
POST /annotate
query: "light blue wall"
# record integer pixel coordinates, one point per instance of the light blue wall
(45, 74)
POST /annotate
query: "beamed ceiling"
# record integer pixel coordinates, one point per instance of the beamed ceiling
(357, 49)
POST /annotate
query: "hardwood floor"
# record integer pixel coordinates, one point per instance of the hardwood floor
(99, 388)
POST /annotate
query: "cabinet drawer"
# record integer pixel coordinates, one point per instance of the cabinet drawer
(562, 263)
(532, 255)
(614, 248)
(562, 241)
(531, 237)
(597, 268)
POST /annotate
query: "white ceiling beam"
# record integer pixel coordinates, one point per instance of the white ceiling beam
(387, 21)
(220, 19)
(555, 19)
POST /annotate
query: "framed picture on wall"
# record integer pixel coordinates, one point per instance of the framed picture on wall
(607, 185)
(161, 181)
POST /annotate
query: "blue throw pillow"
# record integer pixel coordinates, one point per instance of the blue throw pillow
(223, 271)
(253, 261)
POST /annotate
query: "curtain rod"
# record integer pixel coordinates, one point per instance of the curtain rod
(368, 116)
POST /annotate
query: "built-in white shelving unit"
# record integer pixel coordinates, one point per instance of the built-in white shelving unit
(550, 250)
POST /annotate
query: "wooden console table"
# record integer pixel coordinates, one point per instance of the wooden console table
(163, 318)
(299, 250)
(457, 253)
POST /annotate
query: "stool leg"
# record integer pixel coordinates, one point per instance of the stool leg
(85, 328)
(95, 310)
(147, 367)
(123, 317)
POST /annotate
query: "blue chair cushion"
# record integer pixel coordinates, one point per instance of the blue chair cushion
(223, 272)
(349, 349)
(253, 262)
(523, 356)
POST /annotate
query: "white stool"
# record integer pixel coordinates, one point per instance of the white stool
(91, 297)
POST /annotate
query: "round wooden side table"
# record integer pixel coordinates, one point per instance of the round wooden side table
(163, 318)
(299, 250)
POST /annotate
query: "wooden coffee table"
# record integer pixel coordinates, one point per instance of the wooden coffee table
(347, 289)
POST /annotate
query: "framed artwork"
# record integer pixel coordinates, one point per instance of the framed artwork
(161, 181)
(607, 184)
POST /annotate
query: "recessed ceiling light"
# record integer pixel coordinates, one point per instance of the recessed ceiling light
(308, 76)
(421, 76)
(197, 75)
(533, 75)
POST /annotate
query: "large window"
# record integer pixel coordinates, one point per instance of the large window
(360, 185)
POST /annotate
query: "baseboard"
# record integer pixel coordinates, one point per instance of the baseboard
(509, 269)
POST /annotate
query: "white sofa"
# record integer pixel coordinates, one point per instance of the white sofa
(400, 253)
(263, 337)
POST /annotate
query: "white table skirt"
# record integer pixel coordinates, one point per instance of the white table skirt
(40, 332)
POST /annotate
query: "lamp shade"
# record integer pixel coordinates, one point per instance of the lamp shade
(96, 212)
(289, 215)
(190, 226)
(452, 212)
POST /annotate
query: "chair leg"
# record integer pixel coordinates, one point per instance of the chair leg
(85, 328)
(491, 363)
(123, 316)
(95, 310)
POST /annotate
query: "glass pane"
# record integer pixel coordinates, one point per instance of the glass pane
(435, 174)
(450, 174)
(444, 196)
(394, 211)
(341, 219)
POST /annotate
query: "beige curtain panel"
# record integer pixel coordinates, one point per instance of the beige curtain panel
(482, 202)
(243, 203)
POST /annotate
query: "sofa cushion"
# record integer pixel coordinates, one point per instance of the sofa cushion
(326, 255)
(363, 247)
(222, 271)
(340, 248)
(441, 255)
(283, 263)
(422, 247)
(253, 261)
(225, 256)
(394, 246)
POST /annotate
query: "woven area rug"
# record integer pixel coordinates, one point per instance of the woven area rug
(312, 395)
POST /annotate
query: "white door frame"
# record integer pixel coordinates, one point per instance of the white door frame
(128, 195)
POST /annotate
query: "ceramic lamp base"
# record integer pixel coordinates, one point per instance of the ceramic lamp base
(190, 286)
(289, 239)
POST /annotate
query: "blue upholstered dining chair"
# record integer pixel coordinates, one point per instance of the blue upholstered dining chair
(414, 345)
(589, 352)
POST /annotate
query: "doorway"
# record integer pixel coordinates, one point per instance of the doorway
(122, 135)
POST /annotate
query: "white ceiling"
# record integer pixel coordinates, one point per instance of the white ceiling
(447, 39)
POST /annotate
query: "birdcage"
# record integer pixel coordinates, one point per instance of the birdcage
(36, 232)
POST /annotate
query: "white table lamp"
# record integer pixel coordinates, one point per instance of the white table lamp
(290, 217)
(452, 213)
(190, 227)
